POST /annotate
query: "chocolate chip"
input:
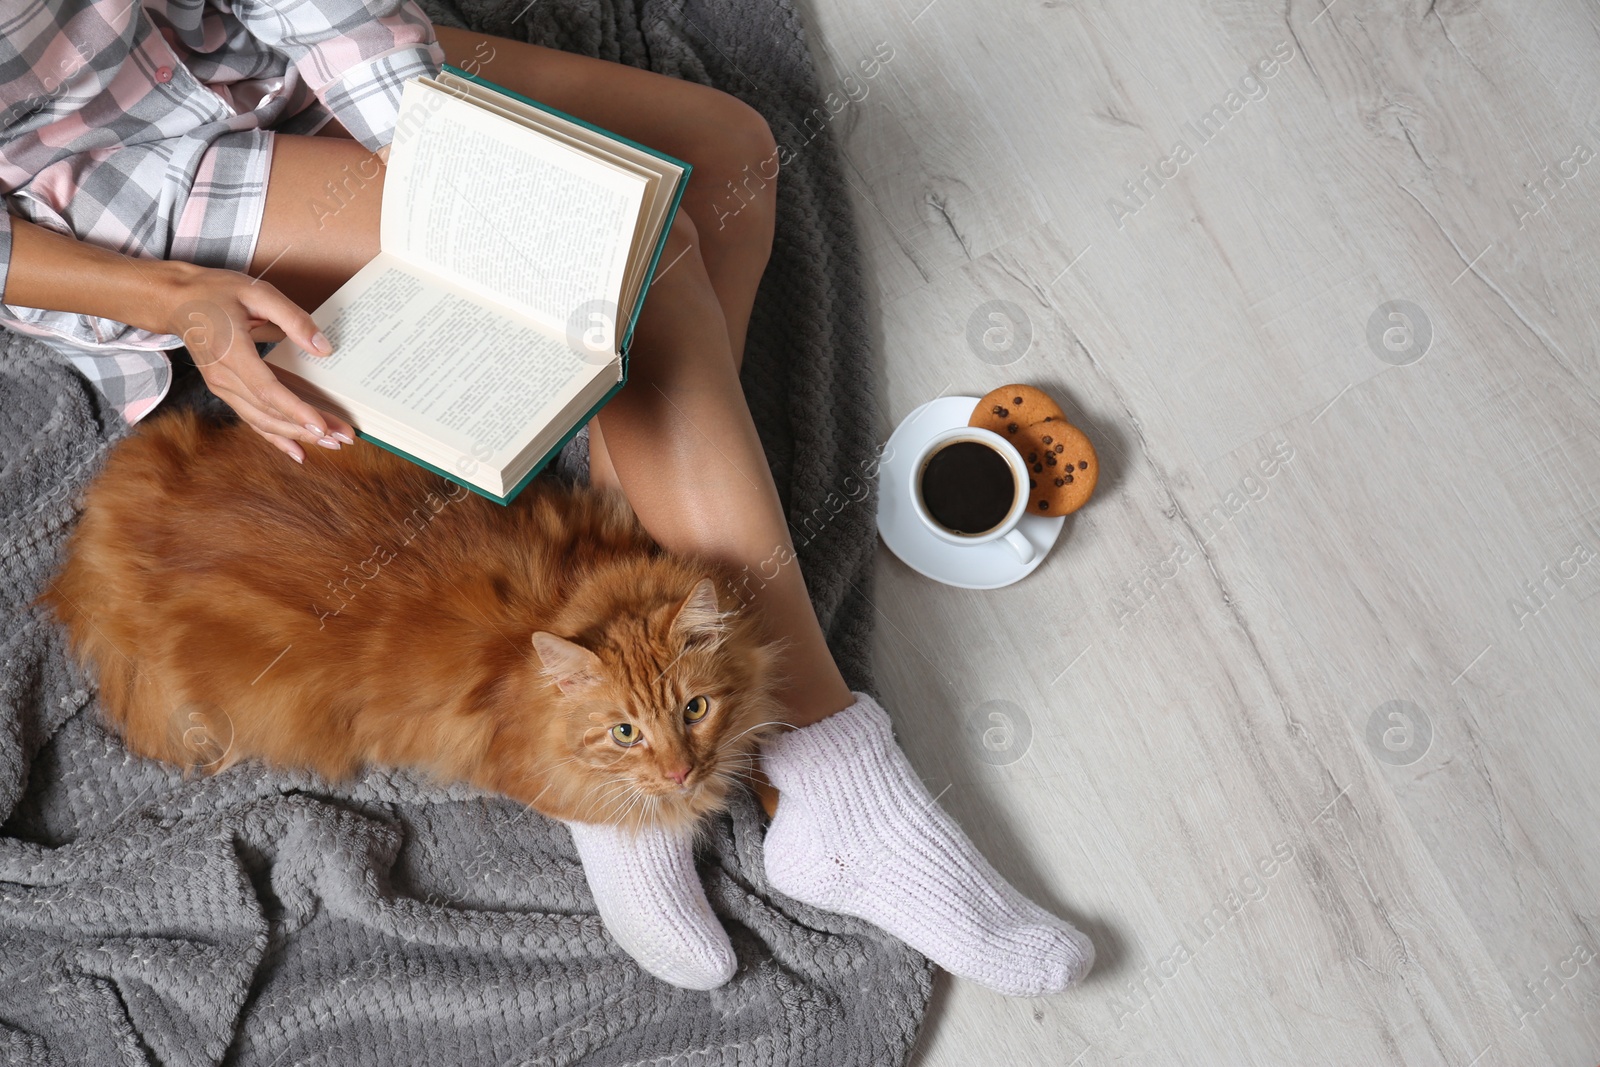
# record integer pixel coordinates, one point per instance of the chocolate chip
(998, 410)
(1012, 427)
(1083, 464)
(1044, 505)
(1048, 438)
(1038, 467)
(1062, 481)
(1060, 449)
(1034, 485)
(1069, 479)
(1050, 458)
(1033, 457)
(1017, 400)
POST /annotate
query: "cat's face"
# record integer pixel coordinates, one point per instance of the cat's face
(665, 714)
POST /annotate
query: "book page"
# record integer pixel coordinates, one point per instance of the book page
(437, 359)
(489, 204)
(611, 144)
(662, 175)
(617, 155)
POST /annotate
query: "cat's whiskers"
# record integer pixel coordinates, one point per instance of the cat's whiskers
(639, 800)
(558, 764)
(581, 757)
(725, 781)
(647, 807)
(541, 793)
(732, 773)
(552, 779)
(613, 791)
(628, 793)
(757, 726)
(604, 797)
(744, 760)
(733, 767)
(616, 816)
(729, 778)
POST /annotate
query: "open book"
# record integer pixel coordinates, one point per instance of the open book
(517, 245)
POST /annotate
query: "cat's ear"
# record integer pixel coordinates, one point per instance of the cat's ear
(698, 616)
(571, 666)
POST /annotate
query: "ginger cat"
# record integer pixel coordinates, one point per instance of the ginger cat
(361, 610)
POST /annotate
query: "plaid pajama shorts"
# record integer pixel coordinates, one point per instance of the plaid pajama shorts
(158, 144)
(206, 209)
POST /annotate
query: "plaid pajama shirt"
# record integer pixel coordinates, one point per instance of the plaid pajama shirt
(146, 127)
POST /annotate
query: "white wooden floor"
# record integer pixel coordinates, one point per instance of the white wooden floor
(1279, 863)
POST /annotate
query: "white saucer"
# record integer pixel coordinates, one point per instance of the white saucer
(986, 566)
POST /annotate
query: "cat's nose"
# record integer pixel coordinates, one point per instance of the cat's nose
(680, 774)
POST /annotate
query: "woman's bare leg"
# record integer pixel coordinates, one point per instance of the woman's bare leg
(678, 439)
(682, 446)
(731, 190)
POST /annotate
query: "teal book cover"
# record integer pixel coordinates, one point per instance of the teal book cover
(627, 332)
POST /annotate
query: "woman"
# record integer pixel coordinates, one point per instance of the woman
(173, 155)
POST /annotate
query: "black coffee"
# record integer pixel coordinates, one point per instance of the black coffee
(968, 487)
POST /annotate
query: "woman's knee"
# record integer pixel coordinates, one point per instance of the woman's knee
(683, 237)
(746, 130)
(739, 172)
(682, 313)
(680, 255)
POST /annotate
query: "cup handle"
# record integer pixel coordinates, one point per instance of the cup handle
(1020, 545)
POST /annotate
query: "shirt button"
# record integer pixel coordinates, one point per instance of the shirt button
(163, 74)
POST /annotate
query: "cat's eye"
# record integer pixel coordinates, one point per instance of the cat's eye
(696, 709)
(626, 734)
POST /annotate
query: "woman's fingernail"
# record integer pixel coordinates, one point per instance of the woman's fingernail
(296, 457)
(320, 342)
(341, 436)
(328, 442)
(315, 430)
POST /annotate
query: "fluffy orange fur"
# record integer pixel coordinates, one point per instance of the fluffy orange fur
(359, 610)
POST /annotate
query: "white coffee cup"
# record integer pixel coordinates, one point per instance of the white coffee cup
(1006, 529)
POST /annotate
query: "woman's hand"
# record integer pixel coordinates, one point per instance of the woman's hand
(220, 314)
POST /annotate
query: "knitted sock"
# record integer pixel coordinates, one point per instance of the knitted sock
(856, 833)
(651, 901)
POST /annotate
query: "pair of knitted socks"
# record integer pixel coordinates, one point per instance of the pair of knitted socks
(855, 833)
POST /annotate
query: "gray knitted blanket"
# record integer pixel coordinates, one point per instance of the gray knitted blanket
(270, 919)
